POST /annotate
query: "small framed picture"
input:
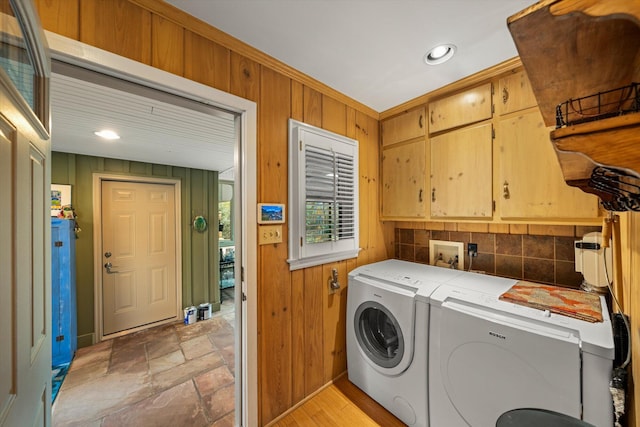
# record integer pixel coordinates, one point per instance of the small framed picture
(270, 213)
(60, 196)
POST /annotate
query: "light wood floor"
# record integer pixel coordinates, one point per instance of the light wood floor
(340, 404)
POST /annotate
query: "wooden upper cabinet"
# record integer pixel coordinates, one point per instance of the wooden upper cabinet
(404, 191)
(461, 173)
(409, 125)
(461, 109)
(514, 93)
(530, 181)
(403, 166)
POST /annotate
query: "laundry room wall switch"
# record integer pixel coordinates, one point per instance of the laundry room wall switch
(443, 254)
(269, 234)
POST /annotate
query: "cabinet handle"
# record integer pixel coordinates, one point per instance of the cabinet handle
(505, 95)
(433, 194)
(505, 190)
(420, 196)
(431, 117)
(420, 121)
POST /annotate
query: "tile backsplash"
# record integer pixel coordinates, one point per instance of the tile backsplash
(537, 258)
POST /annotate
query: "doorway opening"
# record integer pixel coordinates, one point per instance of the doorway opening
(244, 155)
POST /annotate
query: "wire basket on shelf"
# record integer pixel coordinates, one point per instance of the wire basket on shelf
(611, 103)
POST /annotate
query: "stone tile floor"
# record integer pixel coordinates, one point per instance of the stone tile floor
(169, 375)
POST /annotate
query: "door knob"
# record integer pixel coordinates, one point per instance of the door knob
(108, 267)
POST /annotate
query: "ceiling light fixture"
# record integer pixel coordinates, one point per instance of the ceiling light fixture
(107, 134)
(440, 54)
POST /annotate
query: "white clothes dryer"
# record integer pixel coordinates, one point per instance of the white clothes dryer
(489, 356)
(388, 331)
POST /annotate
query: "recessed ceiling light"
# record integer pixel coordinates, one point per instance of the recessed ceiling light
(439, 54)
(107, 134)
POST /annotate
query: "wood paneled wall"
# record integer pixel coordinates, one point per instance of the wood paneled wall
(301, 323)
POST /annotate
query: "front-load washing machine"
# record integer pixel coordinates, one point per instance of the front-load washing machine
(488, 356)
(388, 331)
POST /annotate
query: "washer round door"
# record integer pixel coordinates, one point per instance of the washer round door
(379, 335)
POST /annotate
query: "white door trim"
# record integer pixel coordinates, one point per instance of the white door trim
(98, 177)
(74, 52)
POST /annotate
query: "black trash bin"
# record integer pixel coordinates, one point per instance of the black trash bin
(531, 417)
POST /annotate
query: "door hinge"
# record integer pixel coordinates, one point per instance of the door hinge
(58, 244)
(493, 108)
(492, 89)
(493, 133)
(494, 205)
(244, 296)
(60, 338)
(301, 242)
(242, 274)
(300, 145)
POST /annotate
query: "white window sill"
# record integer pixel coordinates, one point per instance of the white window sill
(296, 264)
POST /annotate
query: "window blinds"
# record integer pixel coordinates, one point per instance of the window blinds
(330, 193)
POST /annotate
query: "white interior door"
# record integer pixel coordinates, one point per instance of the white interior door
(25, 279)
(139, 285)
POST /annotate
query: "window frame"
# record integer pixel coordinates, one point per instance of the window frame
(29, 31)
(301, 253)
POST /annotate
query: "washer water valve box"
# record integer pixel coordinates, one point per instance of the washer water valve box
(446, 254)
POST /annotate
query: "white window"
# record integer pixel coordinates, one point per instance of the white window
(323, 196)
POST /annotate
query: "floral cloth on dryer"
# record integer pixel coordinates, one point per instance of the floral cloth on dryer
(568, 302)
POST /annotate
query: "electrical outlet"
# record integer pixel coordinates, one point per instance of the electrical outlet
(472, 249)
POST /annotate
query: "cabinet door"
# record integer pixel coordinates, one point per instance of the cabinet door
(461, 173)
(409, 125)
(514, 93)
(404, 180)
(461, 109)
(530, 178)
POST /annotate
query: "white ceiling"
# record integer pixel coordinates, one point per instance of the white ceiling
(154, 127)
(370, 50)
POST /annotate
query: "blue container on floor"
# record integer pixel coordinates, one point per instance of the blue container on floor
(64, 327)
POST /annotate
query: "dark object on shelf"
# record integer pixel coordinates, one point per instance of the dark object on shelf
(602, 105)
(620, 338)
(619, 191)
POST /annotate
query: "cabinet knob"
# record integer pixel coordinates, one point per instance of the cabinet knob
(433, 194)
(505, 95)
(420, 196)
(505, 190)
